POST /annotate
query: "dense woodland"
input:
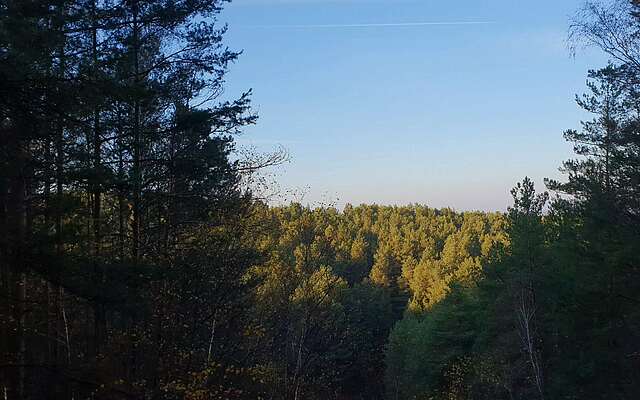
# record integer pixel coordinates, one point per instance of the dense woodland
(137, 260)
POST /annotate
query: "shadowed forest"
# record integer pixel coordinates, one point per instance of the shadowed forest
(139, 261)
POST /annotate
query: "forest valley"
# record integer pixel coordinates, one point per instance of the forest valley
(136, 261)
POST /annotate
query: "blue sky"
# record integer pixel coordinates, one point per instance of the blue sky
(375, 106)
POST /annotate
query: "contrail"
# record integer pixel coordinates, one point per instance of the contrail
(374, 25)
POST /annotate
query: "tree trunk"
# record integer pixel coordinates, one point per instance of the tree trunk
(137, 173)
(96, 194)
(16, 224)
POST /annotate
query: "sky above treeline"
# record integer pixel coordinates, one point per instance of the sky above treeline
(442, 103)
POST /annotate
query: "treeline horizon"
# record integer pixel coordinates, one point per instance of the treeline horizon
(139, 261)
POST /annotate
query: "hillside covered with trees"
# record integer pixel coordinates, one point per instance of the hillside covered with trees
(138, 262)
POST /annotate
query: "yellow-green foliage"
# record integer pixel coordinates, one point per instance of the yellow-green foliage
(318, 262)
(415, 249)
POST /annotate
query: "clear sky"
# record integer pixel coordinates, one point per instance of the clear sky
(377, 106)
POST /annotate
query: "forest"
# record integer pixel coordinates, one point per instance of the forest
(138, 261)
